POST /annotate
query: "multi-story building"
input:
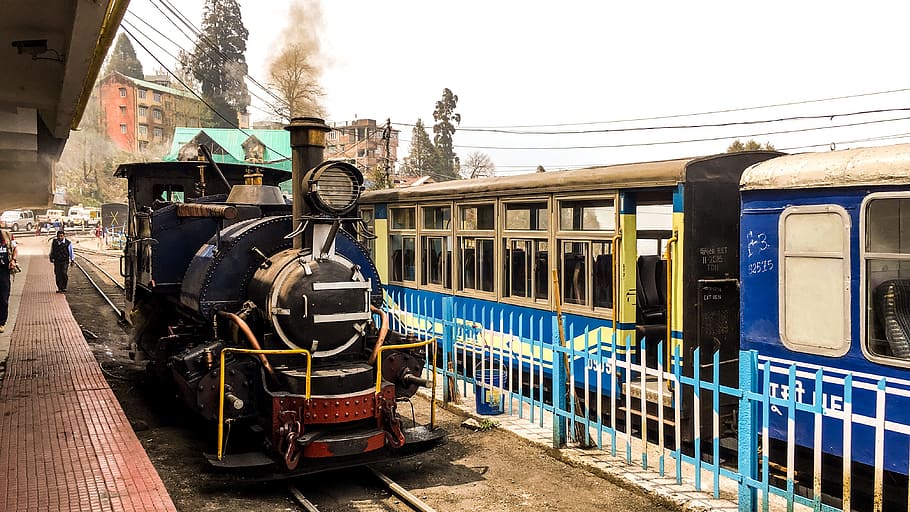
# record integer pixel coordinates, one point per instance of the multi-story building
(137, 114)
(363, 143)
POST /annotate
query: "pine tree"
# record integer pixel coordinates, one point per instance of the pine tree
(445, 115)
(422, 159)
(123, 59)
(218, 62)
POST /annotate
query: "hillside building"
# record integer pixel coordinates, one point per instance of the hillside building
(137, 114)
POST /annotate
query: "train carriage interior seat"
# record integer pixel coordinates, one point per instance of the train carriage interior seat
(541, 274)
(517, 268)
(892, 306)
(603, 279)
(651, 306)
(396, 265)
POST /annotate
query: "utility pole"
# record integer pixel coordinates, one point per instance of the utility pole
(387, 137)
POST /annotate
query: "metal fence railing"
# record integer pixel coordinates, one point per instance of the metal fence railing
(785, 435)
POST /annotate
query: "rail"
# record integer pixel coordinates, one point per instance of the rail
(309, 368)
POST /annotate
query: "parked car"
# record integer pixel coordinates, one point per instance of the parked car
(17, 220)
(76, 216)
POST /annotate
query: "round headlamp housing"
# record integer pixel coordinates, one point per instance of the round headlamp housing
(333, 187)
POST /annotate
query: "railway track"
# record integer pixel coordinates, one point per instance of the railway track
(406, 501)
(108, 286)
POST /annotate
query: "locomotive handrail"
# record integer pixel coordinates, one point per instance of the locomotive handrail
(396, 347)
(309, 367)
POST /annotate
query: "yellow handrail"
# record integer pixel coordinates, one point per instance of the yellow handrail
(309, 367)
(614, 246)
(668, 255)
(398, 347)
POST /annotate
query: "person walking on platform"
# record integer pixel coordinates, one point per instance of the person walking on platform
(8, 254)
(62, 257)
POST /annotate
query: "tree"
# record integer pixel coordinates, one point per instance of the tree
(218, 62)
(443, 130)
(750, 145)
(478, 165)
(422, 158)
(295, 81)
(123, 59)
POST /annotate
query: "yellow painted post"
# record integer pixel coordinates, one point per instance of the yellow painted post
(627, 268)
(381, 246)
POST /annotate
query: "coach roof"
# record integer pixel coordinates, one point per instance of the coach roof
(885, 165)
(650, 174)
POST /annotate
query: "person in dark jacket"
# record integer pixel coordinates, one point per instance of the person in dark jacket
(62, 257)
(7, 262)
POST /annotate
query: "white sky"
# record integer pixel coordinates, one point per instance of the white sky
(539, 63)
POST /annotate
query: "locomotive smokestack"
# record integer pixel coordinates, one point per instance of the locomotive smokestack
(307, 149)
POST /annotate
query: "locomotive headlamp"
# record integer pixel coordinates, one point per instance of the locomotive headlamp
(333, 187)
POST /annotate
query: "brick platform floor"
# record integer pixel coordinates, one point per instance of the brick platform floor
(65, 443)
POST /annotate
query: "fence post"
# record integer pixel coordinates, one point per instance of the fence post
(748, 431)
(448, 345)
(559, 387)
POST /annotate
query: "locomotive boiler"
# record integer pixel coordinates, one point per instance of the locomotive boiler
(266, 317)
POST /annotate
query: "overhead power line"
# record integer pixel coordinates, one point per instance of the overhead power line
(200, 98)
(704, 113)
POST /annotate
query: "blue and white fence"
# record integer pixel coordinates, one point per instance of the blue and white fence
(781, 414)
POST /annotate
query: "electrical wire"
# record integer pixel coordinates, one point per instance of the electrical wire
(210, 107)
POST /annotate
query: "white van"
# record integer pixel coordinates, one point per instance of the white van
(16, 220)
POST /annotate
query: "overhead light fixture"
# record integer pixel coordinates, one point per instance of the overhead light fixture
(37, 48)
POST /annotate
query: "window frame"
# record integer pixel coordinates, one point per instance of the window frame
(506, 236)
(476, 235)
(561, 236)
(782, 278)
(370, 225)
(863, 256)
(404, 232)
(423, 236)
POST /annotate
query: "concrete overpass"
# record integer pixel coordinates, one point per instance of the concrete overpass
(50, 54)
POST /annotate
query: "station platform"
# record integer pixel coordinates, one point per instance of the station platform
(65, 443)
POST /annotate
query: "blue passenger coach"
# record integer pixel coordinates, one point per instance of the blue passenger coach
(825, 272)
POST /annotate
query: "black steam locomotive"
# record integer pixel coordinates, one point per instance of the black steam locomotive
(264, 315)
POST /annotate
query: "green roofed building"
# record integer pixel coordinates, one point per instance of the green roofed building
(268, 148)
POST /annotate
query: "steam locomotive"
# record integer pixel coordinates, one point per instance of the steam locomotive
(266, 317)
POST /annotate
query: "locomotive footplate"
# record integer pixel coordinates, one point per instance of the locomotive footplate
(417, 439)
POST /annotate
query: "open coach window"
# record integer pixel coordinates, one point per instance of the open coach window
(526, 264)
(402, 238)
(584, 237)
(475, 245)
(886, 264)
(436, 246)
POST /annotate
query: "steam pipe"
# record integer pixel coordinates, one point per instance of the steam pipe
(307, 151)
(250, 337)
(383, 331)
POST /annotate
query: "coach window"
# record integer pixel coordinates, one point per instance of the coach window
(584, 234)
(886, 263)
(402, 242)
(475, 247)
(526, 262)
(369, 223)
(436, 246)
(814, 277)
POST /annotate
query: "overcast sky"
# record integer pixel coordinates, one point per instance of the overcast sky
(548, 66)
